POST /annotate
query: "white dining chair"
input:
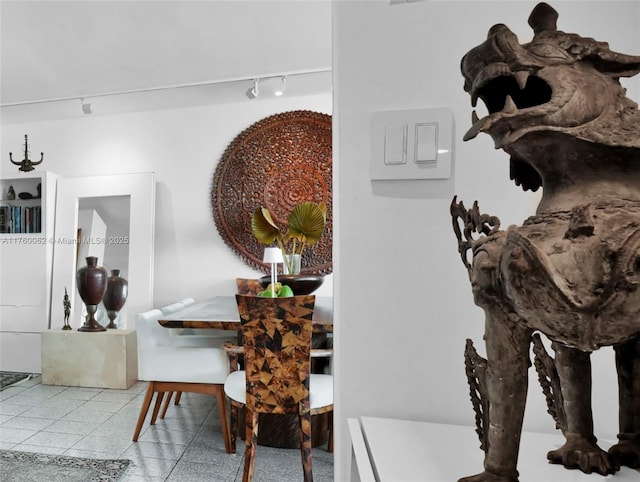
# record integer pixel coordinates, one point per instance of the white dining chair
(170, 368)
(188, 337)
(172, 308)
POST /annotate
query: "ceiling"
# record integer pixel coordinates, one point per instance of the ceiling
(125, 56)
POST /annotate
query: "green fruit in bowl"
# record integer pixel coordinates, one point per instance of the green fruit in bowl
(285, 292)
(277, 288)
(266, 294)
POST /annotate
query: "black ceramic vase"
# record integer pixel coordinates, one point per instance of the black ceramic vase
(115, 295)
(91, 281)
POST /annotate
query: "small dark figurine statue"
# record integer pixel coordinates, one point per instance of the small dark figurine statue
(571, 271)
(67, 310)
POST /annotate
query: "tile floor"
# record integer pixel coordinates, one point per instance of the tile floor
(98, 423)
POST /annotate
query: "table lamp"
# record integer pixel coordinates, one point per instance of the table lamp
(273, 256)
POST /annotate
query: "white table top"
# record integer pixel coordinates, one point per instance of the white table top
(407, 451)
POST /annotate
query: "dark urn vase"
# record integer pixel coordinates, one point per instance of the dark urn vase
(115, 295)
(91, 281)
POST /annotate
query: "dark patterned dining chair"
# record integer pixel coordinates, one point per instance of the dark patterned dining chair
(248, 286)
(277, 378)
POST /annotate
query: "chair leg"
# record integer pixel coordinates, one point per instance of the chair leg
(166, 405)
(143, 411)
(224, 421)
(330, 422)
(235, 414)
(251, 436)
(168, 402)
(156, 407)
(305, 445)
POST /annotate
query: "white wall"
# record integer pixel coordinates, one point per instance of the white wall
(402, 317)
(182, 147)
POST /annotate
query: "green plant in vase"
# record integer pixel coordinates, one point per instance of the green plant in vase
(305, 227)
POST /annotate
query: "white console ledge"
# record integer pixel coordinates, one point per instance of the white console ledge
(106, 359)
(407, 451)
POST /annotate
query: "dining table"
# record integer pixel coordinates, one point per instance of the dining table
(221, 313)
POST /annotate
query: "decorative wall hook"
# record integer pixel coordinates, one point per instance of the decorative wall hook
(26, 164)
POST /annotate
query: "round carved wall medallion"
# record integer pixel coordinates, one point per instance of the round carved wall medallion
(278, 162)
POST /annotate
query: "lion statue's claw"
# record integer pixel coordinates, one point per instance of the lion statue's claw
(584, 455)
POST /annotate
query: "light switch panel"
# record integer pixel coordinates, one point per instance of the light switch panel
(411, 144)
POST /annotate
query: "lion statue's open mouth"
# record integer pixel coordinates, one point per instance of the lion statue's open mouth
(559, 83)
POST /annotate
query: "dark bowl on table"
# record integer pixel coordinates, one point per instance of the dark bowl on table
(300, 284)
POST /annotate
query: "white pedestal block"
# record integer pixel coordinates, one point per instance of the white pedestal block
(107, 359)
(409, 451)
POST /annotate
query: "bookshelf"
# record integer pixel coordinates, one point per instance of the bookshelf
(26, 256)
(21, 205)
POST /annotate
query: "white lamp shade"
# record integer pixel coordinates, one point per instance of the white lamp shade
(272, 255)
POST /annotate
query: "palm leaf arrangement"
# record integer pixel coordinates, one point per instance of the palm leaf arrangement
(304, 228)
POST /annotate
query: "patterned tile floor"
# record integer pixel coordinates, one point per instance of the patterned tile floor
(98, 423)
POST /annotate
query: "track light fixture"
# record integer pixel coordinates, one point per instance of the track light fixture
(253, 92)
(240, 83)
(86, 107)
(280, 91)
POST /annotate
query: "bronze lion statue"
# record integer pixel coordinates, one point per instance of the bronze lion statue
(572, 271)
